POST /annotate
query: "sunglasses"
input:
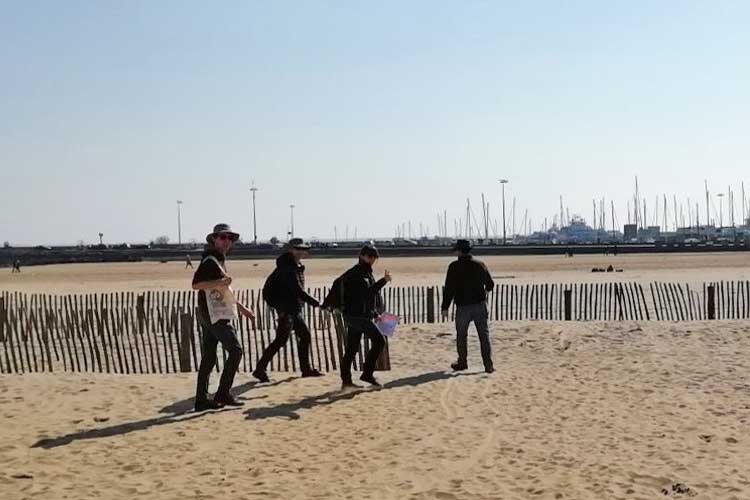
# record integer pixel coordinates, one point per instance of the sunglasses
(224, 236)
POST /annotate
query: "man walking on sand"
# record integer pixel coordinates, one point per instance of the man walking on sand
(361, 304)
(188, 262)
(468, 282)
(217, 308)
(285, 291)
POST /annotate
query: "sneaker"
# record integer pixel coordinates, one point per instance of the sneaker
(489, 369)
(207, 405)
(459, 367)
(370, 379)
(350, 386)
(227, 400)
(311, 373)
(261, 375)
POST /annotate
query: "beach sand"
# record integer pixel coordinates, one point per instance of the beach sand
(575, 411)
(141, 276)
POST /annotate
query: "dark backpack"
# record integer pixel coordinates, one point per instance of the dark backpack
(335, 297)
(271, 289)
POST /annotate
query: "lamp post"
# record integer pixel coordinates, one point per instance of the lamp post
(503, 182)
(291, 233)
(254, 190)
(179, 223)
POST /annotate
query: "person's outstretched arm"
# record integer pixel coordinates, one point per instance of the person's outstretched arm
(450, 288)
(300, 292)
(489, 284)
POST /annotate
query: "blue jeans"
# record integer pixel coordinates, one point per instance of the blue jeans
(221, 331)
(355, 328)
(478, 314)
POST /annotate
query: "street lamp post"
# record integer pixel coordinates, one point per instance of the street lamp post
(179, 223)
(254, 189)
(721, 209)
(292, 225)
(503, 182)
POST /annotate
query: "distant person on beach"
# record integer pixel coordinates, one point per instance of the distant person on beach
(188, 262)
(16, 266)
(467, 283)
(217, 308)
(360, 302)
(284, 291)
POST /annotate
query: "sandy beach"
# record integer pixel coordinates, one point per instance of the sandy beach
(683, 268)
(576, 410)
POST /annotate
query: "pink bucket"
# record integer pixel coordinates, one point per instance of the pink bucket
(387, 323)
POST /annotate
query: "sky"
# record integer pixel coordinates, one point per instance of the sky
(363, 115)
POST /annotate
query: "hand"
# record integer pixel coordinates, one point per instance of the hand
(444, 314)
(248, 314)
(226, 280)
(387, 276)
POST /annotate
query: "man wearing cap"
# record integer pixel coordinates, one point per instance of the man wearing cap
(468, 282)
(217, 308)
(361, 304)
(289, 290)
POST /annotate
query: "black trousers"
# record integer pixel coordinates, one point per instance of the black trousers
(221, 331)
(284, 326)
(355, 328)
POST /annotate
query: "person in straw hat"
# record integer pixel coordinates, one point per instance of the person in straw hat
(217, 308)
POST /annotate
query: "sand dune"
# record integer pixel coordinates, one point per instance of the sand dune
(578, 411)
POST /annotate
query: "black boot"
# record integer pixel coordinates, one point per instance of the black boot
(261, 375)
(227, 400)
(370, 379)
(207, 405)
(311, 372)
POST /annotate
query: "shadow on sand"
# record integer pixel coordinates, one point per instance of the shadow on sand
(289, 410)
(179, 411)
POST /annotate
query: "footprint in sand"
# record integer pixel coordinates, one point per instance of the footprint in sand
(445, 396)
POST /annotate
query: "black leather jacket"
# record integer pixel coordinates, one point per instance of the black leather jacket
(291, 281)
(361, 293)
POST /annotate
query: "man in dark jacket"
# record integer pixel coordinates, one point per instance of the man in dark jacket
(468, 282)
(361, 304)
(289, 288)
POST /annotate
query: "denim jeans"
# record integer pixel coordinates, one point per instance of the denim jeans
(356, 327)
(286, 323)
(478, 314)
(221, 331)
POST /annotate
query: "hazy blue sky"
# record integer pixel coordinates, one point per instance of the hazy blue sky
(364, 114)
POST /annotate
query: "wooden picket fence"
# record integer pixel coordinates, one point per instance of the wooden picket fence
(158, 332)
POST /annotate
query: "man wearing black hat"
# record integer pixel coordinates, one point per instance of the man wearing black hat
(288, 297)
(361, 304)
(468, 282)
(217, 308)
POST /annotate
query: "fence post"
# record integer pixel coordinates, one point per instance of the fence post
(140, 313)
(711, 302)
(568, 304)
(2, 319)
(186, 332)
(430, 304)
